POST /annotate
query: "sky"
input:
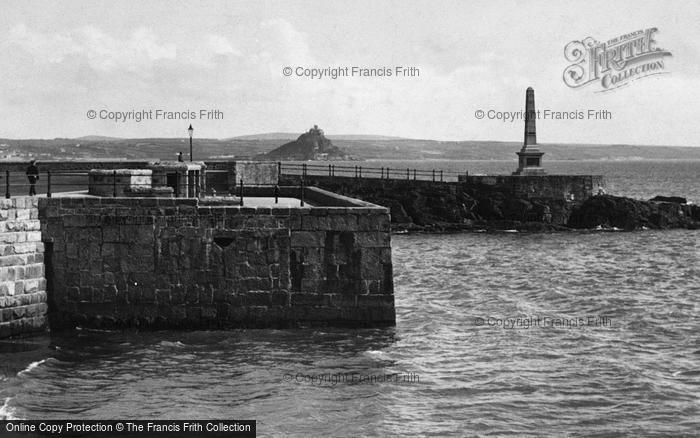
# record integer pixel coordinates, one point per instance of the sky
(64, 59)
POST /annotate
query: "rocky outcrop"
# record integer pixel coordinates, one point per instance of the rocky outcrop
(676, 199)
(312, 145)
(608, 211)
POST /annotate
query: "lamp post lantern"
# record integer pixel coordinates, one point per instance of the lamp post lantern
(191, 131)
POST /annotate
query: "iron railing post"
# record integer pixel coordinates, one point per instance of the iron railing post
(48, 183)
(7, 184)
(114, 183)
(277, 194)
(301, 194)
(240, 193)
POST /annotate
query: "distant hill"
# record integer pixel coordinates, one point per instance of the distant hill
(364, 137)
(359, 147)
(267, 136)
(98, 138)
(292, 136)
(311, 145)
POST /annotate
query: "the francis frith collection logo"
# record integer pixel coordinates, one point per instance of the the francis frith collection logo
(616, 62)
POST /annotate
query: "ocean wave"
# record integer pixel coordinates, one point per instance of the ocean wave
(32, 366)
(171, 344)
(7, 412)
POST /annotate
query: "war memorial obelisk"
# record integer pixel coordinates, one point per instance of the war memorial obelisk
(530, 157)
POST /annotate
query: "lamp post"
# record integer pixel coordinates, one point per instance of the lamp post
(191, 131)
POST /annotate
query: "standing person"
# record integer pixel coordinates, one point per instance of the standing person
(33, 177)
(179, 157)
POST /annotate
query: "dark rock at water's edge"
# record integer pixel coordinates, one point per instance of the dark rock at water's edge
(608, 211)
(311, 145)
(676, 199)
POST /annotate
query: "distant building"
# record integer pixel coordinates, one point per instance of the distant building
(316, 130)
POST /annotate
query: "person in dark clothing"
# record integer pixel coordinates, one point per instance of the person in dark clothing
(179, 157)
(33, 177)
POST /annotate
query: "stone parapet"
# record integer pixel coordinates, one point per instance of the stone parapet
(564, 187)
(116, 182)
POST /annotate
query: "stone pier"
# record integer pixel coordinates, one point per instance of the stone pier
(182, 263)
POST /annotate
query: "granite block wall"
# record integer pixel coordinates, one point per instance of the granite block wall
(173, 263)
(559, 187)
(564, 187)
(103, 182)
(256, 172)
(22, 285)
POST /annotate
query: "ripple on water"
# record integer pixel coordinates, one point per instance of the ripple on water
(637, 375)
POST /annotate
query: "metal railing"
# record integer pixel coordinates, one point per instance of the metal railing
(394, 173)
(49, 183)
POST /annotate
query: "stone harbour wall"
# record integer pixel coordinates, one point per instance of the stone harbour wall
(563, 187)
(176, 263)
(533, 203)
(22, 285)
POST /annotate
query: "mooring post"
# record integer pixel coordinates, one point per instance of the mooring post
(382, 177)
(333, 170)
(441, 176)
(114, 183)
(408, 173)
(433, 175)
(329, 170)
(279, 169)
(387, 173)
(48, 183)
(7, 184)
(277, 194)
(414, 174)
(241, 193)
(301, 192)
(360, 171)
